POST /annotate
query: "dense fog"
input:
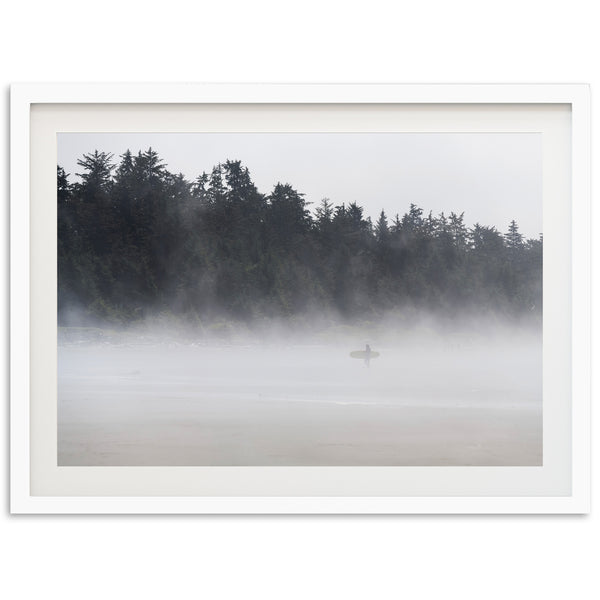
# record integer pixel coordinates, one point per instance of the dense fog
(464, 396)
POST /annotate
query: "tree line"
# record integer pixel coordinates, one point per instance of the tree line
(135, 239)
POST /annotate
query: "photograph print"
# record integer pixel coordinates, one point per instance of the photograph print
(299, 299)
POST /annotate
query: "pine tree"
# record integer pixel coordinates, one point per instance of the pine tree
(382, 230)
(63, 186)
(324, 214)
(514, 240)
(96, 176)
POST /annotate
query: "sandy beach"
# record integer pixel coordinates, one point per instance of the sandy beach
(184, 404)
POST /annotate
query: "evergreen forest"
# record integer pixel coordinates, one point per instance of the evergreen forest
(135, 241)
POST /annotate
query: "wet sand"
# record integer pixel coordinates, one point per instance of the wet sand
(175, 405)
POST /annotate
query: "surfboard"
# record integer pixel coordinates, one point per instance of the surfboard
(363, 354)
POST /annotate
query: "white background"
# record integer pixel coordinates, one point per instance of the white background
(414, 557)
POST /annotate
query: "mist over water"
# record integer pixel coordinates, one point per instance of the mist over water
(468, 394)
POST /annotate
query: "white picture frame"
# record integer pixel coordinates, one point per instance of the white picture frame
(30, 141)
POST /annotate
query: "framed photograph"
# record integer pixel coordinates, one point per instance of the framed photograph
(300, 298)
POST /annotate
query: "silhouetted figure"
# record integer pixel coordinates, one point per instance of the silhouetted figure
(368, 355)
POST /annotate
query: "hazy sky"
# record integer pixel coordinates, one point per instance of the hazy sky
(492, 177)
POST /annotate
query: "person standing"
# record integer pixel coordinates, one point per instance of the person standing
(368, 355)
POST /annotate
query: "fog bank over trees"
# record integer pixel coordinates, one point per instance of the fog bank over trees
(137, 242)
